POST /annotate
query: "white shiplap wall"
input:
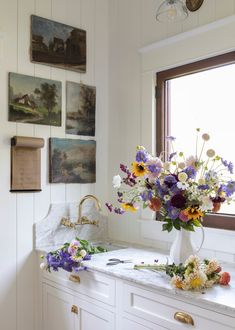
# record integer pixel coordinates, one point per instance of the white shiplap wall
(131, 98)
(18, 212)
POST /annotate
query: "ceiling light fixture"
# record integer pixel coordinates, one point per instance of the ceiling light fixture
(176, 10)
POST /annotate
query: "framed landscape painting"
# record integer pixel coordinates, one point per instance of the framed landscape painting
(72, 161)
(58, 44)
(80, 109)
(34, 100)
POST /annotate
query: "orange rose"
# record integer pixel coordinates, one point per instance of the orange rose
(224, 278)
(155, 204)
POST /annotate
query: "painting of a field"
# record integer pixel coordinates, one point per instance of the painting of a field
(34, 100)
(72, 161)
(58, 44)
(80, 109)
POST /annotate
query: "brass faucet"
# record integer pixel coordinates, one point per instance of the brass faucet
(82, 220)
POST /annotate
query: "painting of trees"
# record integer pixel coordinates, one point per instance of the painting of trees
(48, 95)
(34, 100)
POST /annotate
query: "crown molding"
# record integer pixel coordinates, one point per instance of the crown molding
(188, 34)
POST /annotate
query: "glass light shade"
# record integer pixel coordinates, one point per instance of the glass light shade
(172, 11)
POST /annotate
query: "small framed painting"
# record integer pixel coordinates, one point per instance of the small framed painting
(72, 161)
(80, 109)
(34, 100)
(58, 44)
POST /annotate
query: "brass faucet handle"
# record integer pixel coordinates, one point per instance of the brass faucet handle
(85, 221)
(67, 223)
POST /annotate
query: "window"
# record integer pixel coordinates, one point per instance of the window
(200, 94)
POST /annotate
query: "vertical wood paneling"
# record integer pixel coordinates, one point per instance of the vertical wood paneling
(25, 202)
(88, 23)
(221, 10)
(206, 13)
(58, 13)
(8, 238)
(73, 15)
(18, 271)
(42, 199)
(101, 83)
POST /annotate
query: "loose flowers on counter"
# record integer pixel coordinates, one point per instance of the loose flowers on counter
(70, 256)
(181, 189)
(194, 274)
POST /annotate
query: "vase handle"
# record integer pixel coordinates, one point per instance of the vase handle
(203, 238)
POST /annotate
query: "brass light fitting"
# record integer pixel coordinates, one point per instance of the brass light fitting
(176, 10)
(193, 5)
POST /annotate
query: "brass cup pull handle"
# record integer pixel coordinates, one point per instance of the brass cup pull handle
(183, 318)
(74, 278)
(74, 309)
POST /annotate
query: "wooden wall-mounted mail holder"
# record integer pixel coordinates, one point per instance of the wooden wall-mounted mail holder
(26, 164)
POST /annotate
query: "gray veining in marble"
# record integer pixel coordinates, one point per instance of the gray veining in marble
(49, 232)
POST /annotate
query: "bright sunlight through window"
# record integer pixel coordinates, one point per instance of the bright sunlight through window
(205, 100)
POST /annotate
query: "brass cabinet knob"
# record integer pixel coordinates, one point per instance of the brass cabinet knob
(74, 309)
(183, 318)
(74, 278)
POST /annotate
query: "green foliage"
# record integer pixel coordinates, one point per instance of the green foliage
(173, 269)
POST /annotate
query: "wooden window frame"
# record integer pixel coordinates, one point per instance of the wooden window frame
(220, 221)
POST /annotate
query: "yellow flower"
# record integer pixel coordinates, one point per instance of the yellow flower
(193, 213)
(198, 280)
(196, 283)
(129, 207)
(139, 169)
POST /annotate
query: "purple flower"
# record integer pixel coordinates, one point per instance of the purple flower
(124, 169)
(211, 175)
(190, 171)
(173, 212)
(218, 199)
(161, 189)
(109, 206)
(227, 164)
(229, 189)
(87, 257)
(154, 168)
(119, 210)
(178, 201)
(130, 180)
(203, 187)
(170, 138)
(170, 180)
(172, 155)
(146, 195)
(141, 156)
(79, 268)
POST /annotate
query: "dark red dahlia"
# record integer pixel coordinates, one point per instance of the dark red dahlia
(178, 201)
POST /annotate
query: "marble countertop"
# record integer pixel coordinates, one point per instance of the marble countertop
(219, 297)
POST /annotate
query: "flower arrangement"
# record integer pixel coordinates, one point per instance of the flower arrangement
(194, 274)
(70, 256)
(180, 189)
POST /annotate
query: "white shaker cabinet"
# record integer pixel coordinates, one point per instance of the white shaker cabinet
(65, 311)
(117, 300)
(58, 313)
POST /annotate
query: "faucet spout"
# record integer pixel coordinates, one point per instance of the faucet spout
(82, 219)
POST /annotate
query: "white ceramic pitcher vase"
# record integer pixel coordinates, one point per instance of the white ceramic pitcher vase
(183, 247)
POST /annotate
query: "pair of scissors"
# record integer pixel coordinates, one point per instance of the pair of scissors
(116, 261)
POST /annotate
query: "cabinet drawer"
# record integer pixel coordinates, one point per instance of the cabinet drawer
(161, 309)
(92, 284)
